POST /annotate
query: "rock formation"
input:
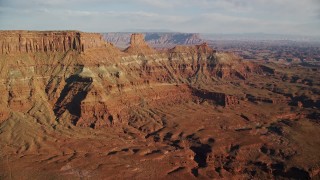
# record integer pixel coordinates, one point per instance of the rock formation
(48, 41)
(155, 39)
(82, 107)
(138, 45)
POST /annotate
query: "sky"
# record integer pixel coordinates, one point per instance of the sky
(296, 17)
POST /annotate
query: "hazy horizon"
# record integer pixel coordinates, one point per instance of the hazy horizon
(287, 17)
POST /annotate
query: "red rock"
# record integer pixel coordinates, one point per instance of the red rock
(138, 45)
(48, 41)
(180, 113)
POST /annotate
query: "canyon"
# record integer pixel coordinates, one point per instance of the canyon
(75, 106)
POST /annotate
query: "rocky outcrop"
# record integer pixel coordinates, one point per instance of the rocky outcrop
(138, 45)
(87, 109)
(206, 60)
(73, 93)
(48, 41)
(137, 40)
(99, 87)
(228, 66)
(219, 98)
(192, 50)
(94, 114)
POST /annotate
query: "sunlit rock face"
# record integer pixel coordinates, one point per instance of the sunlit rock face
(74, 106)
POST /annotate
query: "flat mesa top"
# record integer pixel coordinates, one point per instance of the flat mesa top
(36, 31)
(60, 32)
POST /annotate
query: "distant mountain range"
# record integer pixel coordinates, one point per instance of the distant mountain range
(171, 39)
(155, 39)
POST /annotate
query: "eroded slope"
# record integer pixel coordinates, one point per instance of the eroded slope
(187, 112)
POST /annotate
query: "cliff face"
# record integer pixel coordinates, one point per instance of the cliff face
(84, 108)
(137, 40)
(167, 40)
(48, 41)
(79, 86)
(138, 45)
(155, 39)
(99, 87)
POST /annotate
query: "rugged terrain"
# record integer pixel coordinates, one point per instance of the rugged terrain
(278, 51)
(157, 40)
(74, 106)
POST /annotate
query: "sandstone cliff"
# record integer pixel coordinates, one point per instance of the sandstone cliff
(48, 41)
(99, 87)
(82, 108)
(80, 86)
(138, 45)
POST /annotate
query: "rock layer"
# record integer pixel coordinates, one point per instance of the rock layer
(185, 112)
(138, 45)
(48, 41)
(155, 39)
(84, 96)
